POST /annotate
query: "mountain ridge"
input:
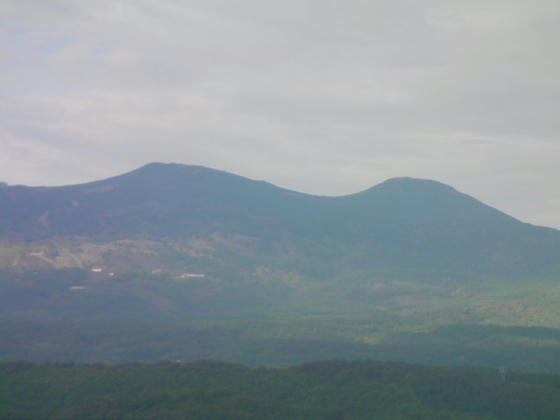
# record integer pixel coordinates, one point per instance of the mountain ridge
(187, 261)
(401, 222)
(157, 168)
(178, 169)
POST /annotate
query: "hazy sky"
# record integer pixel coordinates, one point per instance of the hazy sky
(321, 96)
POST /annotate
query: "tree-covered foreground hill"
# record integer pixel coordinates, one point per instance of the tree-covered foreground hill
(319, 390)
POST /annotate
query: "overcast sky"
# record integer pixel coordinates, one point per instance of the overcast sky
(321, 96)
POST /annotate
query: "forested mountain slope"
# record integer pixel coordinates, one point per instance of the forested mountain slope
(402, 223)
(183, 262)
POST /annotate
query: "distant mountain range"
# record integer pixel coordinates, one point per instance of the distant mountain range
(409, 225)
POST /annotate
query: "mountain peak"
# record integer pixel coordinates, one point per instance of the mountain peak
(167, 168)
(398, 222)
(409, 182)
(411, 187)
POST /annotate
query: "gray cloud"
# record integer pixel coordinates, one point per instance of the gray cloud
(322, 96)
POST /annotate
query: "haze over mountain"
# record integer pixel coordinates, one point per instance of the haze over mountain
(184, 262)
(170, 264)
(402, 223)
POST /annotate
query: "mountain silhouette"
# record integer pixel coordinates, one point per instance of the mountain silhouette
(419, 226)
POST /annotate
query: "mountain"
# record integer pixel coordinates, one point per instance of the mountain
(153, 201)
(184, 262)
(400, 224)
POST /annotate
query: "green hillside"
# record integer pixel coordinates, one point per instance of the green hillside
(183, 262)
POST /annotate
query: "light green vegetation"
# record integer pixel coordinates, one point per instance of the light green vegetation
(278, 319)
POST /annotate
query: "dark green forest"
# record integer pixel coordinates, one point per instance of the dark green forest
(318, 390)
